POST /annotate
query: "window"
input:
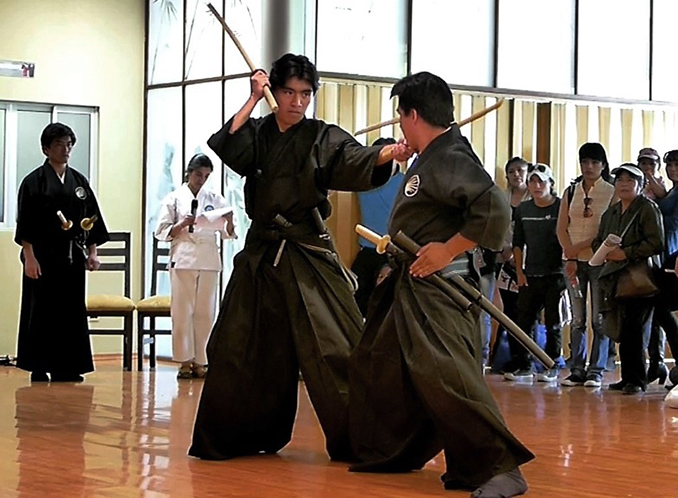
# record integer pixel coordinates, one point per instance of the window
(366, 37)
(454, 39)
(613, 52)
(664, 67)
(21, 125)
(2, 164)
(536, 45)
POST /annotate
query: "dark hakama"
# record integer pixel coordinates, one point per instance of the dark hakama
(288, 306)
(53, 330)
(416, 376)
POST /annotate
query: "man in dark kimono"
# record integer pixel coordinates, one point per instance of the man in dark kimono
(53, 331)
(288, 305)
(415, 377)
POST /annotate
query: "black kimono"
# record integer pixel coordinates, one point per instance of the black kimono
(288, 305)
(416, 376)
(53, 330)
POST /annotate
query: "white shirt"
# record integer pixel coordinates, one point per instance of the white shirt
(197, 250)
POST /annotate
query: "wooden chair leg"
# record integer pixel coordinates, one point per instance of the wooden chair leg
(151, 351)
(127, 354)
(140, 341)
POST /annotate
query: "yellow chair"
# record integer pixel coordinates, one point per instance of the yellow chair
(117, 259)
(153, 307)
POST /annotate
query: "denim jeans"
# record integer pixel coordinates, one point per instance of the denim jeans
(587, 275)
(487, 285)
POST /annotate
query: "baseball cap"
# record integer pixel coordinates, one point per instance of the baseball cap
(648, 153)
(630, 168)
(541, 170)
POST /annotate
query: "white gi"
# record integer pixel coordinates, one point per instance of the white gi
(194, 269)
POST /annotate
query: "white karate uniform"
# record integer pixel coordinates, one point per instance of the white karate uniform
(194, 268)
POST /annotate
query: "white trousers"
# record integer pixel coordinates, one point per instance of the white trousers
(193, 308)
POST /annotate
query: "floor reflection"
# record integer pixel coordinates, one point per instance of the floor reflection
(51, 423)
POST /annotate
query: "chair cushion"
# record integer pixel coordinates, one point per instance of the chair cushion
(155, 304)
(109, 302)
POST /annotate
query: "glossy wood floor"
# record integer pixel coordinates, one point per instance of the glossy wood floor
(126, 435)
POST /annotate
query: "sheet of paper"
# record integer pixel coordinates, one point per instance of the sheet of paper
(213, 220)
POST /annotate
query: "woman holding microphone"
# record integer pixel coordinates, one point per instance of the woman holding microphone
(189, 218)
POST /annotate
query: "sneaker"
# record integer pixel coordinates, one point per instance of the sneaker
(593, 380)
(522, 374)
(573, 380)
(548, 375)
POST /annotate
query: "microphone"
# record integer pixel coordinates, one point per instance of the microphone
(194, 210)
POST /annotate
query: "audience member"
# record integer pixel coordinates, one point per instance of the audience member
(579, 217)
(637, 221)
(539, 268)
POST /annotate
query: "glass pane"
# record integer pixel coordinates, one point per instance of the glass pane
(614, 39)
(244, 18)
(536, 45)
(80, 155)
(236, 92)
(165, 40)
(436, 23)
(29, 151)
(163, 166)
(664, 67)
(2, 165)
(203, 41)
(203, 118)
(377, 27)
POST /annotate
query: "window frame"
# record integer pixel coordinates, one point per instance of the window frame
(12, 183)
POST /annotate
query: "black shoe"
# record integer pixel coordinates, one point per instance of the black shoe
(657, 371)
(39, 377)
(632, 389)
(617, 386)
(67, 377)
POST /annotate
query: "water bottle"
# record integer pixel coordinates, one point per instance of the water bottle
(576, 289)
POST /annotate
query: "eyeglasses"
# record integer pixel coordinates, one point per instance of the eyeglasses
(588, 212)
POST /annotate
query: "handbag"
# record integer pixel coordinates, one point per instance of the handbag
(636, 280)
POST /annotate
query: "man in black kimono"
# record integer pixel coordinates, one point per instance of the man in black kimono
(288, 305)
(53, 331)
(416, 377)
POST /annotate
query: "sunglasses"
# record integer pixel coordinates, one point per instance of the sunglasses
(588, 212)
(542, 168)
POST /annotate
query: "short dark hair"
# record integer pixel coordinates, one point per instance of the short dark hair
(515, 160)
(384, 141)
(199, 161)
(429, 95)
(671, 155)
(55, 131)
(293, 66)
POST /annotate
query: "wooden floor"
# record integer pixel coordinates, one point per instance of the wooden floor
(126, 435)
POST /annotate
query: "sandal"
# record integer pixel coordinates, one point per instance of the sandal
(199, 371)
(185, 372)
